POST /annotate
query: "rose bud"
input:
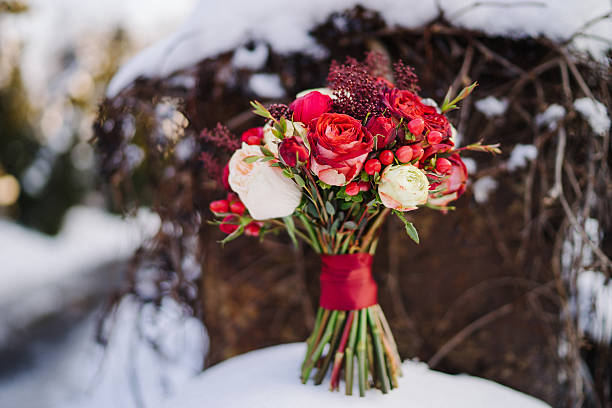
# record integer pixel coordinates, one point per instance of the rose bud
(404, 154)
(386, 157)
(310, 106)
(373, 166)
(292, 150)
(225, 225)
(383, 130)
(417, 151)
(434, 137)
(219, 206)
(416, 126)
(352, 188)
(364, 186)
(253, 136)
(443, 165)
(237, 207)
(252, 229)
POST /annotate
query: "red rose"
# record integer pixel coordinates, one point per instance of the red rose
(253, 136)
(437, 122)
(310, 106)
(453, 186)
(292, 150)
(339, 145)
(383, 129)
(406, 104)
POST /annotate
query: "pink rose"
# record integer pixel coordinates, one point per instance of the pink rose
(452, 187)
(310, 106)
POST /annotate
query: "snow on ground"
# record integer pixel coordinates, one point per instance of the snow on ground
(491, 106)
(521, 155)
(595, 113)
(214, 27)
(36, 269)
(149, 353)
(266, 85)
(483, 187)
(269, 378)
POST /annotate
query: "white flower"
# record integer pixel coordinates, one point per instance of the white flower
(271, 142)
(325, 91)
(403, 187)
(263, 189)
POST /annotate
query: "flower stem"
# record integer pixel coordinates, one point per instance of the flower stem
(335, 376)
(314, 243)
(350, 360)
(380, 357)
(367, 238)
(319, 348)
(361, 353)
(333, 344)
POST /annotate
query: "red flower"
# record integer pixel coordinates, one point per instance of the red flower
(310, 106)
(253, 136)
(453, 186)
(225, 178)
(292, 150)
(406, 104)
(339, 146)
(437, 122)
(383, 129)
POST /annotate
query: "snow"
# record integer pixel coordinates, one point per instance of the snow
(38, 269)
(491, 106)
(551, 116)
(595, 113)
(150, 352)
(252, 59)
(470, 165)
(521, 155)
(72, 24)
(483, 187)
(595, 305)
(266, 85)
(269, 378)
(215, 27)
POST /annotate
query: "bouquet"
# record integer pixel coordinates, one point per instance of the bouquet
(329, 168)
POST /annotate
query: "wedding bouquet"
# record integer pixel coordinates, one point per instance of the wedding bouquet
(329, 168)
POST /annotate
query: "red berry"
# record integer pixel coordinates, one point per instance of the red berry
(386, 157)
(404, 154)
(232, 197)
(253, 140)
(434, 137)
(226, 227)
(372, 166)
(252, 229)
(364, 186)
(237, 207)
(352, 188)
(443, 165)
(219, 206)
(416, 126)
(417, 152)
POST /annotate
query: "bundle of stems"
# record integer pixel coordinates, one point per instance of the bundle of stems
(361, 337)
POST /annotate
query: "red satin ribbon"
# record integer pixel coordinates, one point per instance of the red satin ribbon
(346, 282)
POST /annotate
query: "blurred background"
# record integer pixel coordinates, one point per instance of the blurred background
(114, 290)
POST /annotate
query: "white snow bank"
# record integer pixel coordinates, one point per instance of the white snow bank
(483, 187)
(266, 85)
(521, 155)
(38, 271)
(595, 113)
(252, 59)
(215, 27)
(595, 305)
(270, 378)
(491, 106)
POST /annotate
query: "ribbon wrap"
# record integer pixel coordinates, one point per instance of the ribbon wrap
(347, 282)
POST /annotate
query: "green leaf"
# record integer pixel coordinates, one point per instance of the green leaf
(330, 208)
(287, 173)
(261, 110)
(350, 225)
(334, 227)
(251, 159)
(290, 225)
(410, 229)
(299, 180)
(232, 236)
(266, 152)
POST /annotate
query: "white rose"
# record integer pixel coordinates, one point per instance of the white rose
(271, 142)
(403, 187)
(264, 191)
(325, 91)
